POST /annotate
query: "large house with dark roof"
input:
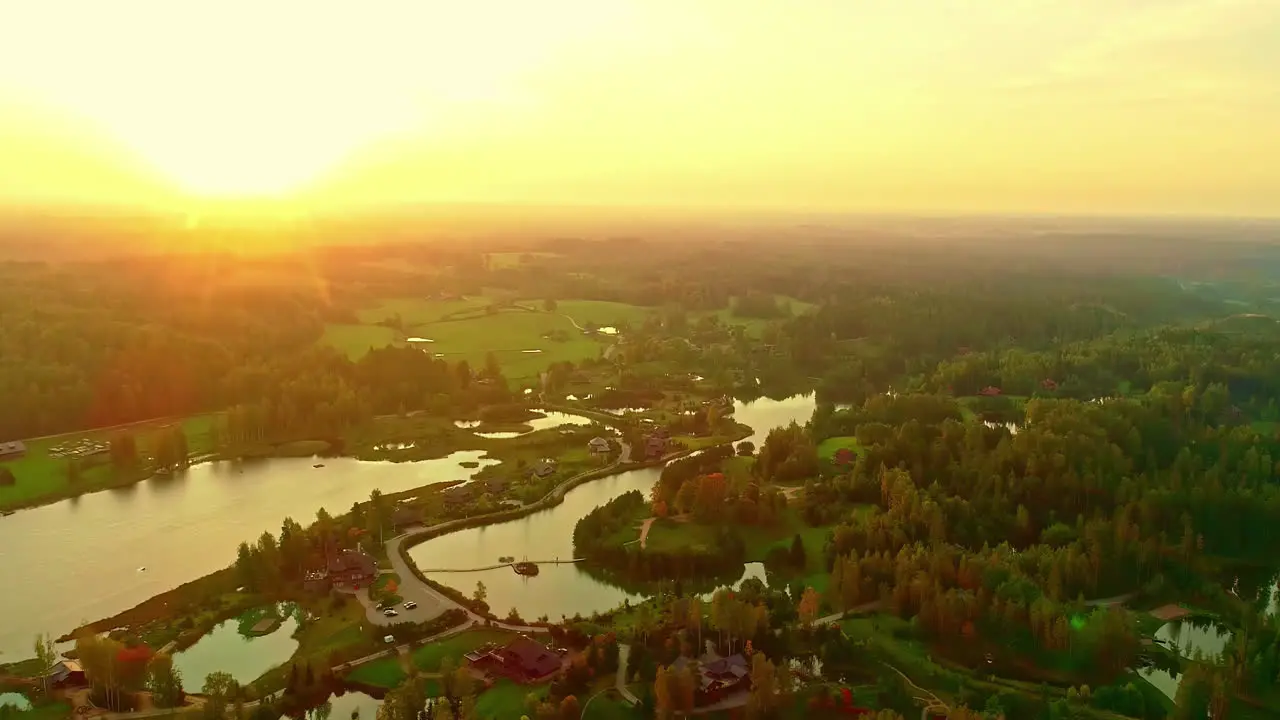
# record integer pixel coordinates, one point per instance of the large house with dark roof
(719, 677)
(523, 660)
(352, 567)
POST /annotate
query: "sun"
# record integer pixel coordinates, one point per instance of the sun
(238, 98)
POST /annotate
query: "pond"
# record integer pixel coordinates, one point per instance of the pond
(550, 419)
(565, 589)
(84, 553)
(15, 700)
(228, 649)
(1187, 637)
(351, 704)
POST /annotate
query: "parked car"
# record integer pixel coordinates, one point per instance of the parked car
(410, 605)
(389, 639)
(390, 612)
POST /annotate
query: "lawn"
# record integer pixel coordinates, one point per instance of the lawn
(760, 540)
(506, 700)
(508, 335)
(420, 311)
(675, 537)
(357, 340)
(41, 476)
(603, 313)
(827, 448)
(428, 657)
(383, 672)
(755, 326)
(610, 706)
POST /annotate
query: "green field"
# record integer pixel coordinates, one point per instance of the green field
(40, 475)
(508, 335)
(827, 448)
(420, 311)
(356, 340)
(755, 326)
(464, 329)
(603, 313)
(506, 700)
(383, 672)
(670, 536)
(428, 657)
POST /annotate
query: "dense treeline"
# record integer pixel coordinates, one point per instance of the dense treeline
(117, 341)
(983, 533)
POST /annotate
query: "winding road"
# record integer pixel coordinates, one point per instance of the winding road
(431, 602)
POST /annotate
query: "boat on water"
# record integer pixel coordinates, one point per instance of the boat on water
(525, 568)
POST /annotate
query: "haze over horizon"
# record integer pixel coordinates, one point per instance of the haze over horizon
(1019, 106)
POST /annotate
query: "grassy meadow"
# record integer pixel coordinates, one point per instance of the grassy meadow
(466, 329)
(40, 475)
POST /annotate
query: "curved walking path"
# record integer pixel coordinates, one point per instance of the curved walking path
(431, 602)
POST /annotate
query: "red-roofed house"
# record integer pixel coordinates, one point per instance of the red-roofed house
(523, 660)
(844, 456)
(989, 391)
(1048, 384)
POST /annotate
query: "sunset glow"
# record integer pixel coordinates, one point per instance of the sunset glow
(1167, 106)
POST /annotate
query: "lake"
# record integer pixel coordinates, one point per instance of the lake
(84, 554)
(246, 658)
(566, 590)
(1187, 637)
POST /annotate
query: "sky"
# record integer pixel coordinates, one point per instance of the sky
(1087, 106)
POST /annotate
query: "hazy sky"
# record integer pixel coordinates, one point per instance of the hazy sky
(1098, 106)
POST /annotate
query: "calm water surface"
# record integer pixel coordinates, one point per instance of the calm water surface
(224, 649)
(84, 554)
(566, 590)
(1188, 638)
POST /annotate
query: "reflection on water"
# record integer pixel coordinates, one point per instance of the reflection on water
(246, 658)
(1187, 637)
(180, 528)
(549, 419)
(347, 706)
(566, 590)
(15, 700)
(763, 414)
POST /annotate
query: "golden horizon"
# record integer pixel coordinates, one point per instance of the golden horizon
(908, 106)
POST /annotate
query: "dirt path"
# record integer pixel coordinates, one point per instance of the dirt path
(644, 531)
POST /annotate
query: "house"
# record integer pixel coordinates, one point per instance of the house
(457, 496)
(845, 456)
(543, 468)
(316, 581)
(598, 445)
(496, 486)
(1049, 385)
(989, 391)
(66, 673)
(719, 678)
(655, 446)
(12, 450)
(523, 660)
(352, 567)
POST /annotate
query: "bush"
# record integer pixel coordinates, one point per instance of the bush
(6, 477)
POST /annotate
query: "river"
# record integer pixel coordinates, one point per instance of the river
(80, 560)
(566, 589)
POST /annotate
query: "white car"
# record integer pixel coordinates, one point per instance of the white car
(389, 639)
(390, 612)
(410, 605)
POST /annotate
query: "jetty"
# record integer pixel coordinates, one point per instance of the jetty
(506, 564)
